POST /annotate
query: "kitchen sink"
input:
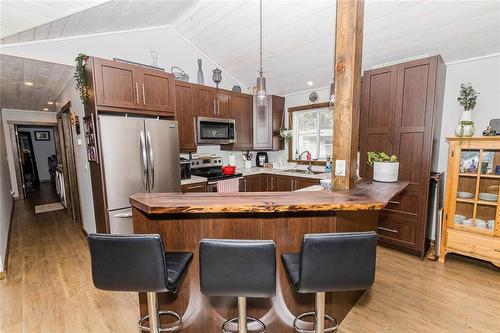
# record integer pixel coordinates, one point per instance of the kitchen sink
(307, 172)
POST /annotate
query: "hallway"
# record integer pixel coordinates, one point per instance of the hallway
(49, 287)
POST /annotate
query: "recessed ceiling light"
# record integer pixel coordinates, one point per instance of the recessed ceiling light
(27, 83)
(50, 103)
(310, 83)
(45, 109)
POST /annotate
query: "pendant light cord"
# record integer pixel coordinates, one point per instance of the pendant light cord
(260, 7)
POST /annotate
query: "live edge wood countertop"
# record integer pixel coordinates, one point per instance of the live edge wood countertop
(366, 195)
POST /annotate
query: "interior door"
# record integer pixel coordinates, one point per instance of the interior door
(157, 91)
(162, 138)
(27, 160)
(123, 147)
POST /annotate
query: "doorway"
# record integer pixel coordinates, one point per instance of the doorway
(37, 158)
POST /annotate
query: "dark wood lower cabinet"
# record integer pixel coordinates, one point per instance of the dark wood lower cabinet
(197, 187)
(277, 183)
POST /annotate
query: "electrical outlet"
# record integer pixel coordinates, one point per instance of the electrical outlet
(340, 167)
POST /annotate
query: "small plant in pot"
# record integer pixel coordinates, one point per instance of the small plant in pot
(385, 167)
(468, 99)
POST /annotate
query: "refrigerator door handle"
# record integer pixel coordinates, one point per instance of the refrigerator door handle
(151, 163)
(123, 215)
(144, 161)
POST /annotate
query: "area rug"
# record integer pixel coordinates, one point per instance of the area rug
(48, 207)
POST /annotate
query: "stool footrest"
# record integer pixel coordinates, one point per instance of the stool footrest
(173, 326)
(250, 321)
(331, 328)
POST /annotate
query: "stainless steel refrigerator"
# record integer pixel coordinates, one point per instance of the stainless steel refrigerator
(138, 155)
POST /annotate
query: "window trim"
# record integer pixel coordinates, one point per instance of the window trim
(291, 110)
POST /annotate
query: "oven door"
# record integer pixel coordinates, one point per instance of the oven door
(212, 185)
(215, 131)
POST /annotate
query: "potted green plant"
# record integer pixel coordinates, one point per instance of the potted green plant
(285, 133)
(385, 167)
(467, 98)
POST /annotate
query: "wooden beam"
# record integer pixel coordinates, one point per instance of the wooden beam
(348, 51)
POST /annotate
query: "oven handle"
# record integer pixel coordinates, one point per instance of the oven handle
(215, 182)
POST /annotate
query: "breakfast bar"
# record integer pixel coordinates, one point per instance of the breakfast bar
(183, 220)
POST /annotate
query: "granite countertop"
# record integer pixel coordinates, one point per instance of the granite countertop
(271, 171)
(366, 195)
(193, 180)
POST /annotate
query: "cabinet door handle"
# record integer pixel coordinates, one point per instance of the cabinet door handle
(143, 95)
(215, 112)
(389, 230)
(137, 93)
(195, 186)
(394, 202)
(218, 107)
(497, 250)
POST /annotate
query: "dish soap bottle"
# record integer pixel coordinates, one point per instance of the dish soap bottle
(296, 154)
(328, 165)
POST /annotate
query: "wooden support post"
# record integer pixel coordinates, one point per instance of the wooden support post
(348, 51)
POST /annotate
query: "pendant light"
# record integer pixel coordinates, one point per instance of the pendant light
(261, 80)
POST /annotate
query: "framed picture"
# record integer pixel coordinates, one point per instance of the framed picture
(42, 136)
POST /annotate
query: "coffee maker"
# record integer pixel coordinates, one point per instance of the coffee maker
(262, 158)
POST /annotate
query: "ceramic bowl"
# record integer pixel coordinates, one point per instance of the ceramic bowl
(488, 196)
(481, 224)
(465, 195)
(459, 219)
(490, 224)
(467, 222)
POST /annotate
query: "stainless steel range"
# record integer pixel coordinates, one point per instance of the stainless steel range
(211, 168)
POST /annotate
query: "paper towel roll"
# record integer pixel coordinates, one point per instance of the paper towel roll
(232, 160)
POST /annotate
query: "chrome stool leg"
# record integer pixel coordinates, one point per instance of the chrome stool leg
(319, 318)
(154, 314)
(243, 321)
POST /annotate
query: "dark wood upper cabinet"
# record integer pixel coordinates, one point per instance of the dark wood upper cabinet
(241, 109)
(206, 106)
(401, 114)
(185, 99)
(139, 90)
(157, 91)
(116, 84)
(267, 120)
(222, 103)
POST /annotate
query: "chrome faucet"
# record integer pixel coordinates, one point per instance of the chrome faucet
(309, 168)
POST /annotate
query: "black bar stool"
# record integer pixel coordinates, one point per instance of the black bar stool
(238, 268)
(138, 263)
(331, 262)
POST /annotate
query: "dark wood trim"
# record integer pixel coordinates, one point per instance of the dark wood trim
(7, 250)
(309, 107)
(290, 126)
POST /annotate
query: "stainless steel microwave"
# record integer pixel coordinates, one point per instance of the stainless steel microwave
(215, 131)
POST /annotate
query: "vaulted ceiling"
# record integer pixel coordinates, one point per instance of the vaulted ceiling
(298, 35)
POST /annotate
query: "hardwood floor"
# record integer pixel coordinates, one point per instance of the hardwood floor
(49, 288)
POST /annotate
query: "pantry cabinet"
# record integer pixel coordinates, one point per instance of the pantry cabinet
(401, 114)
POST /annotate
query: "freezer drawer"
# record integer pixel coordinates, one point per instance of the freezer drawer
(120, 221)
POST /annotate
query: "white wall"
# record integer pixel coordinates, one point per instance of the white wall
(42, 149)
(21, 116)
(5, 197)
(134, 45)
(484, 74)
(69, 94)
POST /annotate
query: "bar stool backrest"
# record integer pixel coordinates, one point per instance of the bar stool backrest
(238, 268)
(128, 262)
(337, 262)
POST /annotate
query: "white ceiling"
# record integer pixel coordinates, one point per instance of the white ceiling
(48, 80)
(298, 35)
(20, 15)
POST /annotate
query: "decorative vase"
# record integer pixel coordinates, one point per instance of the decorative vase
(465, 127)
(200, 79)
(386, 172)
(217, 76)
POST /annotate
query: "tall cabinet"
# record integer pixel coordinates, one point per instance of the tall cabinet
(401, 114)
(471, 223)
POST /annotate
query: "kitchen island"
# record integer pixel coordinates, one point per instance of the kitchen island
(184, 219)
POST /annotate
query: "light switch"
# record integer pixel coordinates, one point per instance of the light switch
(340, 167)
